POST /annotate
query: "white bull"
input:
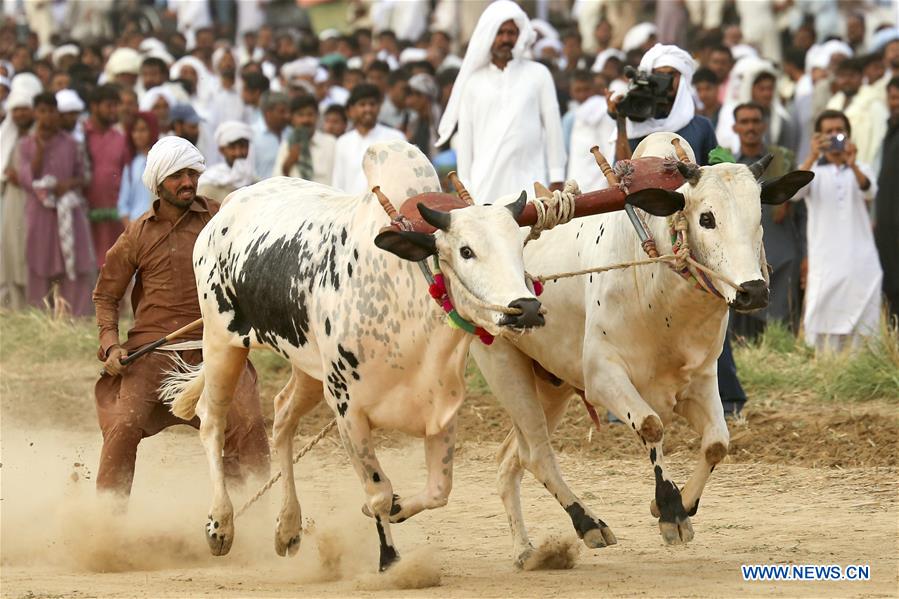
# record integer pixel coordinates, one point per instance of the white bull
(642, 342)
(292, 266)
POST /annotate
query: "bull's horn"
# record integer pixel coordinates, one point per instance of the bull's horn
(760, 166)
(603, 165)
(689, 171)
(385, 203)
(435, 218)
(517, 207)
(540, 191)
(680, 151)
(460, 189)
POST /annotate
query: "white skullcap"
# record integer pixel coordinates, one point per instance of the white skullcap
(742, 51)
(64, 50)
(837, 47)
(413, 55)
(603, 57)
(67, 100)
(544, 43)
(123, 61)
(153, 94)
(882, 38)
(450, 62)
(150, 44)
(27, 84)
(638, 35)
(305, 67)
(544, 29)
(19, 98)
(354, 62)
(230, 131)
(424, 84)
(328, 34)
(170, 155)
(189, 61)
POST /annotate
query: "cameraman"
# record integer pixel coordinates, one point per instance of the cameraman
(842, 290)
(675, 110)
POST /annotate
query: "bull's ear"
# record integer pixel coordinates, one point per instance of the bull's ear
(408, 245)
(783, 188)
(656, 201)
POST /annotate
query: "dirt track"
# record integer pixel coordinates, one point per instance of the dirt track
(57, 542)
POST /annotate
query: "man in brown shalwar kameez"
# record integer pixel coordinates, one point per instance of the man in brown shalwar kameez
(157, 250)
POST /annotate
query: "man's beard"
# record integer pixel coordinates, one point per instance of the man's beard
(174, 200)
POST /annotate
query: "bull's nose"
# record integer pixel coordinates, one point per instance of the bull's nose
(530, 314)
(753, 297)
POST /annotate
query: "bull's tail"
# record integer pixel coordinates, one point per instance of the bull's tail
(182, 387)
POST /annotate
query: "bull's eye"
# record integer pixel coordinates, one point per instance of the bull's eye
(466, 252)
(707, 220)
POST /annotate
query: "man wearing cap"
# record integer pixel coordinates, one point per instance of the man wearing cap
(505, 107)
(15, 126)
(57, 246)
(233, 141)
(157, 249)
(362, 109)
(422, 102)
(185, 122)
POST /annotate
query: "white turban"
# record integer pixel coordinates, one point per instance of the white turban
(683, 110)
(478, 54)
(543, 44)
(153, 94)
(638, 35)
(170, 155)
(123, 61)
(413, 55)
(67, 100)
(741, 51)
(230, 131)
(300, 68)
(19, 98)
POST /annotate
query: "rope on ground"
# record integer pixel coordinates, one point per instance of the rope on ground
(274, 479)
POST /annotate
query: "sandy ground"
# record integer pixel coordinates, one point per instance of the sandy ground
(57, 541)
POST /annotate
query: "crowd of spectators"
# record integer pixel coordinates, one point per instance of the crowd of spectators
(86, 88)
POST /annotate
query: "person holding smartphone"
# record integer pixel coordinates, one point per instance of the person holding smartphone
(843, 273)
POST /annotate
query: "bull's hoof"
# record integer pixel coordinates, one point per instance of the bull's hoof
(389, 557)
(599, 537)
(287, 534)
(219, 535)
(524, 557)
(395, 509)
(679, 532)
(654, 509)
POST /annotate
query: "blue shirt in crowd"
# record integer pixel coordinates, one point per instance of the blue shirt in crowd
(134, 197)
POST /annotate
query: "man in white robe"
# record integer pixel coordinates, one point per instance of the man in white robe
(362, 109)
(842, 292)
(505, 106)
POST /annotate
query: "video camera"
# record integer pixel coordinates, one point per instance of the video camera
(647, 95)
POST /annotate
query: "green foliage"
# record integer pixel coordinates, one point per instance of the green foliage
(780, 364)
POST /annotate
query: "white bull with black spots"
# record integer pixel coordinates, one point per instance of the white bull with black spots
(292, 266)
(641, 342)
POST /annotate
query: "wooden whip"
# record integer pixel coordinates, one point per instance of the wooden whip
(158, 343)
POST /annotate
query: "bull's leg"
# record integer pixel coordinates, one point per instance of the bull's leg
(511, 378)
(509, 475)
(701, 407)
(300, 395)
(439, 459)
(608, 384)
(356, 436)
(223, 366)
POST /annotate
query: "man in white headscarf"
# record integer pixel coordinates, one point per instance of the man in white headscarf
(18, 121)
(505, 107)
(233, 141)
(157, 249)
(679, 113)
